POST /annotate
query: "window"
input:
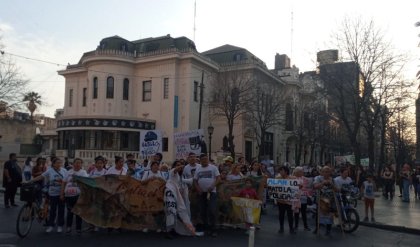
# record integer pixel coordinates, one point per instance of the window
(147, 90)
(110, 87)
(84, 96)
(289, 117)
(165, 144)
(126, 84)
(166, 88)
(196, 91)
(95, 88)
(70, 97)
(124, 140)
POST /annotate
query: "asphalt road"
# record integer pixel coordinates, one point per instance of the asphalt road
(266, 237)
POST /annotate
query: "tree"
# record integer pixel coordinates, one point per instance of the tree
(231, 96)
(265, 109)
(12, 83)
(379, 67)
(33, 100)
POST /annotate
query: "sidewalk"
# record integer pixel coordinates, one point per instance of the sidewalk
(394, 215)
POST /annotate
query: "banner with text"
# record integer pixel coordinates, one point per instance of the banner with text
(283, 189)
(247, 210)
(121, 202)
(188, 142)
(150, 142)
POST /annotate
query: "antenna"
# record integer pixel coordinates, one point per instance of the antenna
(195, 7)
(291, 36)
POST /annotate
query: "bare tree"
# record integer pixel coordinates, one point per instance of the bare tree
(231, 93)
(12, 83)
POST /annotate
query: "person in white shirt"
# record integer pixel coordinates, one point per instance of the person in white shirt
(191, 167)
(235, 174)
(205, 179)
(343, 181)
(70, 192)
(118, 168)
(54, 175)
(99, 169)
(153, 172)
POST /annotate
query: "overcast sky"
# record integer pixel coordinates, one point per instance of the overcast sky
(61, 31)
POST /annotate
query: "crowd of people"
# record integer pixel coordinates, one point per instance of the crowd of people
(199, 174)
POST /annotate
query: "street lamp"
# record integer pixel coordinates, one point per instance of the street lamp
(210, 130)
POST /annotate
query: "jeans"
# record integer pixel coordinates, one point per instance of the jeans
(27, 175)
(10, 193)
(208, 210)
(406, 190)
(70, 202)
(283, 209)
(56, 210)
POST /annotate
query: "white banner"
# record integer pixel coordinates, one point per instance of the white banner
(150, 142)
(188, 142)
(283, 189)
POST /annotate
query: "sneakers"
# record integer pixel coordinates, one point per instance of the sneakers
(366, 219)
(59, 229)
(49, 229)
(372, 220)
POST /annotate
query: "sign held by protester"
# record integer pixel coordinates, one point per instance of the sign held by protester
(283, 189)
(188, 142)
(150, 142)
(247, 210)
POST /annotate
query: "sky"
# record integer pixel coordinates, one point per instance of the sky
(61, 31)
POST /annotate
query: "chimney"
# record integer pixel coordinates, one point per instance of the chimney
(281, 62)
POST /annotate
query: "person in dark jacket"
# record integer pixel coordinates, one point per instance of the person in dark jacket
(12, 179)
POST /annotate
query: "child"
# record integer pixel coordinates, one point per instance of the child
(250, 193)
(368, 188)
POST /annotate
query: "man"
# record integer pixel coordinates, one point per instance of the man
(227, 166)
(191, 167)
(343, 181)
(205, 179)
(155, 158)
(12, 178)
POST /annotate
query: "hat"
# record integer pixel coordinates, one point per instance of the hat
(228, 158)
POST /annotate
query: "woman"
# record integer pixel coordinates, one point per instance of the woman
(305, 193)
(406, 182)
(324, 184)
(388, 177)
(99, 168)
(119, 168)
(70, 192)
(54, 176)
(283, 205)
(177, 204)
(255, 170)
(235, 173)
(153, 172)
(27, 169)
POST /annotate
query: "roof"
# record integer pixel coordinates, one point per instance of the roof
(222, 49)
(226, 54)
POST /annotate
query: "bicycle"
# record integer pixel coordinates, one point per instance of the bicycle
(30, 210)
(349, 215)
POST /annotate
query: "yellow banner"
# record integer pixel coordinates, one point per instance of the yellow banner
(247, 210)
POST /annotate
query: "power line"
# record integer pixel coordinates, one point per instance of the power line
(28, 58)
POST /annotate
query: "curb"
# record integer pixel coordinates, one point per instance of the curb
(401, 229)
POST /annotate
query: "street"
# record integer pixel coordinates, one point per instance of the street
(266, 237)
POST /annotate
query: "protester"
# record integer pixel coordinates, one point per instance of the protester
(27, 169)
(70, 192)
(388, 179)
(283, 205)
(343, 181)
(368, 190)
(12, 178)
(157, 157)
(133, 171)
(54, 176)
(298, 173)
(99, 168)
(416, 182)
(177, 204)
(235, 173)
(406, 181)
(227, 165)
(250, 193)
(324, 184)
(191, 167)
(164, 170)
(119, 168)
(153, 172)
(205, 179)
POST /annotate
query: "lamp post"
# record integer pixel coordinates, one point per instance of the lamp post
(210, 130)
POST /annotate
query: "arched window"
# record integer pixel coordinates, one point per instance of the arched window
(289, 117)
(95, 88)
(126, 85)
(110, 87)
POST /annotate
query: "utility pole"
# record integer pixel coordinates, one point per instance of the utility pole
(201, 99)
